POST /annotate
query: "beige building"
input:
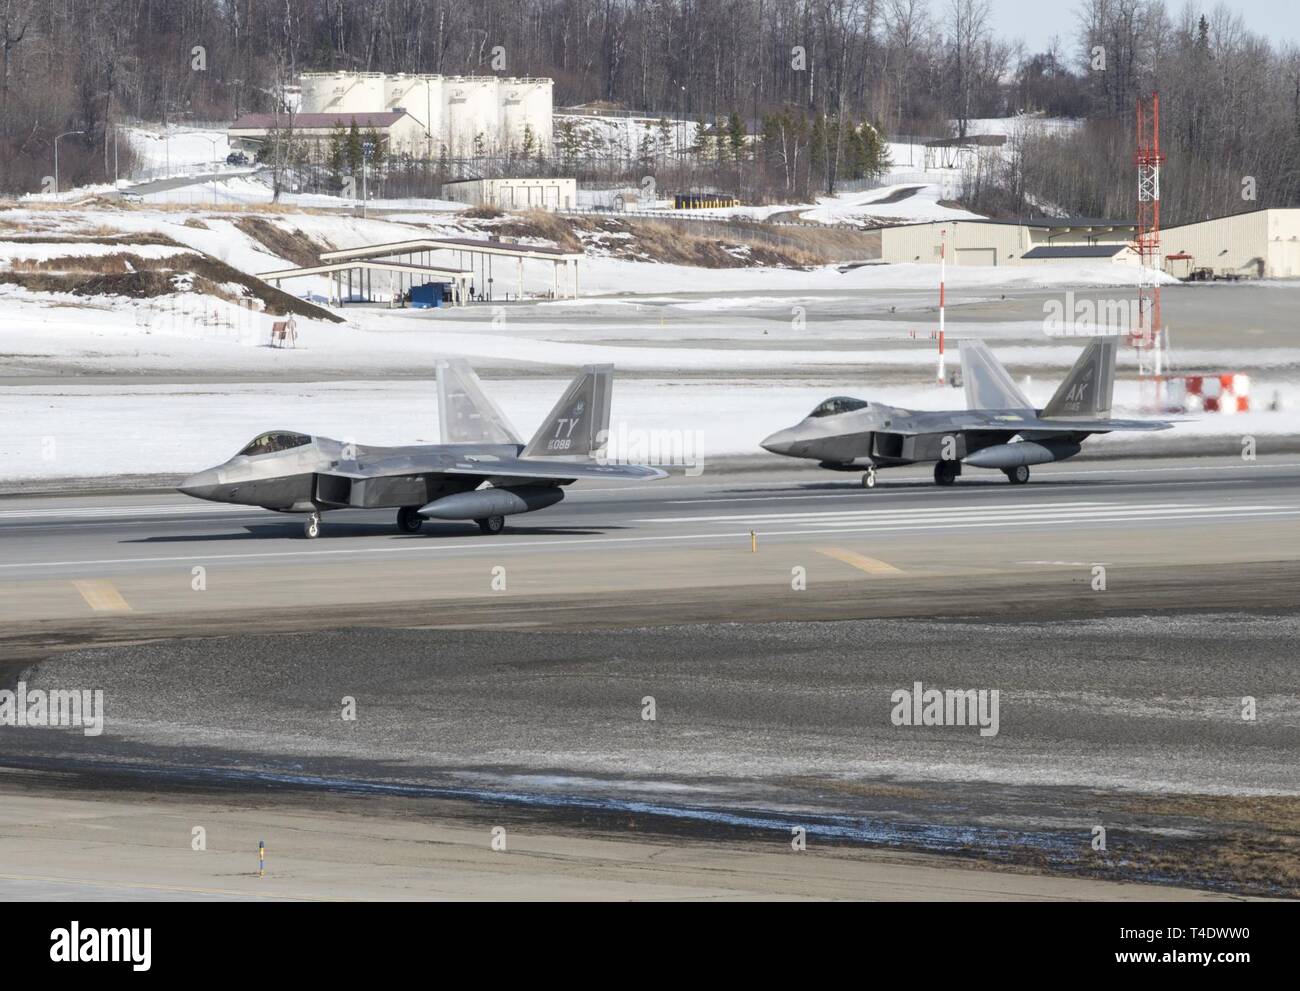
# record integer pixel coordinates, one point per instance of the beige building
(1262, 244)
(514, 194)
(1011, 242)
(400, 132)
(460, 116)
(1259, 244)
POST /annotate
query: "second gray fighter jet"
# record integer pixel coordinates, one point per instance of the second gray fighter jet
(999, 429)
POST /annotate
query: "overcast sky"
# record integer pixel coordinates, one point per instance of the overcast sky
(1037, 21)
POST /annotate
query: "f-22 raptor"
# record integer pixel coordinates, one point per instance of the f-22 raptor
(481, 471)
(999, 429)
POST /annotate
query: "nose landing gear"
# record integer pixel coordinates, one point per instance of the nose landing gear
(869, 479)
(311, 529)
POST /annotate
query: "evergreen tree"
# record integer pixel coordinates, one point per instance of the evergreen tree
(736, 136)
(353, 149)
(337, 155)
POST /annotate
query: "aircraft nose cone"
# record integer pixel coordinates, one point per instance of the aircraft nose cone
(204, 485)
(781, 442)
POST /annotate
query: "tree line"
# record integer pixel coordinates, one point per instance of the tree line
(815, 84)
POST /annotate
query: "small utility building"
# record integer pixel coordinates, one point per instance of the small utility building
(514, 194)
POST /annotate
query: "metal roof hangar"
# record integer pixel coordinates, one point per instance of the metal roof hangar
(1261, 244)
(1011, 242)
(403, 262)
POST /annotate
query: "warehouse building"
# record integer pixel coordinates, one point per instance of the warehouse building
(399, 131)
(1261, 244)
(1012, 242)
(514, 194)
(461, 116)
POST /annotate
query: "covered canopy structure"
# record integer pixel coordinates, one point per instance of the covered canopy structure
(480, 252)
(343, 272)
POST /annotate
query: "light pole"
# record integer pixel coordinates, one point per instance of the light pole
(56, 155)
(213, 143)
(367, 149)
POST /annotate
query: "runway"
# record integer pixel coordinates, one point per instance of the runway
(1121, 687)
(127, 557)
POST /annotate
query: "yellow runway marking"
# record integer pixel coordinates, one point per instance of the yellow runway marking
(101, 596)
(860, 561)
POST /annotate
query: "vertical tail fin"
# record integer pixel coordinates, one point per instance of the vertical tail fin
(1087, 390)
(577, 429)
(465, 414)
(988, 384)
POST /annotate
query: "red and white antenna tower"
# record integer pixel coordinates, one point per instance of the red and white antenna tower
(1148, 159)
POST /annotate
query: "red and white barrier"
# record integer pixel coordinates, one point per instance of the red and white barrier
(1228, 393)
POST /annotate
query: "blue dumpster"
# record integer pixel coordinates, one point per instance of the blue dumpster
(428, 295)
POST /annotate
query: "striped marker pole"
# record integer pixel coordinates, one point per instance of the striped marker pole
(943, 268)
(261, 858)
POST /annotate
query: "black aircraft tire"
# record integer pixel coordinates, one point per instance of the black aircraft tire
(945, 472)
(492, 525)
(1018, 475)
(408, 520)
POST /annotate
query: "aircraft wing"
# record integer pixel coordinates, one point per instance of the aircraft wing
(542, 468)
(1015, 422)
(1039, 425)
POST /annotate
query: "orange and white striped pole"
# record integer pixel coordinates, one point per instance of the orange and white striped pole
(943, 268)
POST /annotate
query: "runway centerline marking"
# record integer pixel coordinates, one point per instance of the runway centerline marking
(871, 565)
(101, 595)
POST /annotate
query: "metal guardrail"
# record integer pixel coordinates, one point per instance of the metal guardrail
(696, 215)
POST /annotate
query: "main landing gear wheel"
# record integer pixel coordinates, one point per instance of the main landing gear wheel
(869, 479)
(1018, 475)
(493, 524)
(311, 529)
(409, 520)
(945, 472)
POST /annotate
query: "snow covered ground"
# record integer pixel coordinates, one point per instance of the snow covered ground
(177, 150)
(736, 353)
(913, 202)
(153, 429)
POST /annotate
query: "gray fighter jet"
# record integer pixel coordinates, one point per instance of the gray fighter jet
(999, 429)
(481, 471)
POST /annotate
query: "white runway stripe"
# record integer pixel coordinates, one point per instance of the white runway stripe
(116, 512)
(1010, 511)
(1153, 516)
